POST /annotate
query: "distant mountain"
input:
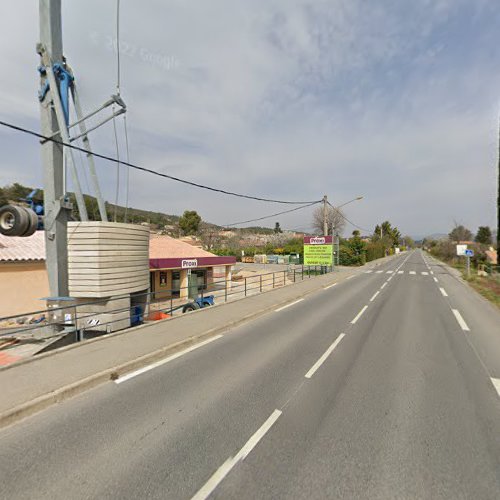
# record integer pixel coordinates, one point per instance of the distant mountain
(433, 236)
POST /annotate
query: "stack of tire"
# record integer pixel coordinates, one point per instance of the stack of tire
(16, 220)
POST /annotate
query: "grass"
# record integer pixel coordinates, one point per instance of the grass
(488, 287)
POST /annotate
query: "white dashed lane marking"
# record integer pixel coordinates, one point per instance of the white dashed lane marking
(461, 321)
(327, 353)
(229, 464)
(359, 315)
(496, 384)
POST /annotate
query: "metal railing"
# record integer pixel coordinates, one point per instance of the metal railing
(77, 319)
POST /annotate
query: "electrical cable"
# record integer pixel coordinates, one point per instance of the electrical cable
(273, 215)
(117, 192)
(118, 47)
(148, 170)
(346, 219)
(127, 172)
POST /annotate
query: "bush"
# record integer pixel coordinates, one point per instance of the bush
(374, 250)
(348, 257)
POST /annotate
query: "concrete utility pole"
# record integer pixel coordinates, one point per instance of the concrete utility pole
(57, 208)
(325, 215)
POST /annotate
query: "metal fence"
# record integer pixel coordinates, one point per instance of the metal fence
(76, 318)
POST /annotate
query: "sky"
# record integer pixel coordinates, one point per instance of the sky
(393, 100)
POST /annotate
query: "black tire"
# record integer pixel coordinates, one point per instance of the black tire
(33, 222)
(14, 221)
(192, 306)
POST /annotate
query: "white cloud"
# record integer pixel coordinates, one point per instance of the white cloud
(284, 98)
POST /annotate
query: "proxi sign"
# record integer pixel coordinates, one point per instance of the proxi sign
(189, 263)
(318, 240)
(318, 250)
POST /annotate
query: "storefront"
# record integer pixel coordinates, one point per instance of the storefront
(180, 270)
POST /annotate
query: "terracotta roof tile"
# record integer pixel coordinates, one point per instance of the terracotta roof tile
(165, 247)
(33, 248)
(13, 248)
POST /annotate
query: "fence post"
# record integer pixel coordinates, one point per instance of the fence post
(171, 303)
(245, 287)
(284, 278)
(225, 290)
(294, 274)
(273, 279)
(77, 333)
(260, 282)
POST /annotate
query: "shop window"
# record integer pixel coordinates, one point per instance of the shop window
(163, 279)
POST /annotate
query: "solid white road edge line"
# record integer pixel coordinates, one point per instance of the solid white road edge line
(359, 315)
(327, 353)
(329, 286)
(208, 488)
(496, 384)
(140, 371)
(461, 321)
(288, 305)
(374, 295)
(443, 291)
(350, 277)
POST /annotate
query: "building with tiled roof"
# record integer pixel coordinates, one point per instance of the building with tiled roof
(17, 249)
(23, 277)
(175, 267)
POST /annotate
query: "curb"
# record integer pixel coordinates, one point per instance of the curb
(57, 396)
(76, 345)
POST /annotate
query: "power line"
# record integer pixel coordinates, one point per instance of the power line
(148, 170)
(127, 173)
(273, 215)
(118, 47)
(346, 219)
(117, 191)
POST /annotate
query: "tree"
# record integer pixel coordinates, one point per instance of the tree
(408, 241)
(460, 233)
(334, 217)
(3, 198)
(189, 222)
(277, 228)
(483, 235)
(16, 191)
(388, 234)
(210, 237)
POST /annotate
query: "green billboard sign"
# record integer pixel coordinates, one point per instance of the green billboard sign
(318, 250)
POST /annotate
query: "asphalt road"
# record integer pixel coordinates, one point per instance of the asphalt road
(379, 387)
